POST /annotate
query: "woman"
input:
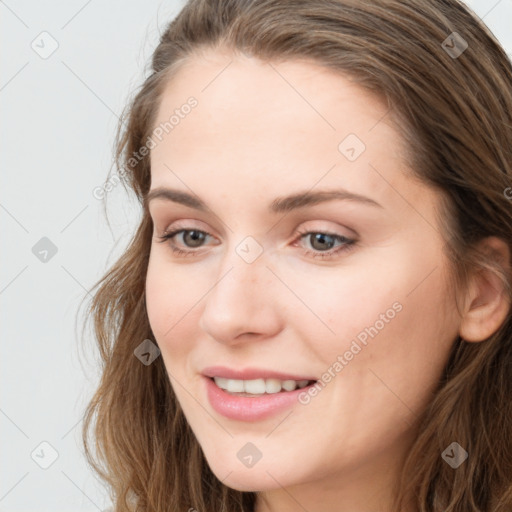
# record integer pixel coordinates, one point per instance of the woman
(314, 313)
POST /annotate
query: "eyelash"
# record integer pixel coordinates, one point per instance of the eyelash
(348, 243)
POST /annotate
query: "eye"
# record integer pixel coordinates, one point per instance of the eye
(322, 242)
(196, 239)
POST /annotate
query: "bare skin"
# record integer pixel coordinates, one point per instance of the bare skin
(259, 132)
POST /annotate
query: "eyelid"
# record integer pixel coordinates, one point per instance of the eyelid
(299, 233)
(336, 229)
(190, 224)
(187, 224)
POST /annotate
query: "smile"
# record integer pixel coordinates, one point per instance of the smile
(258, 387)
(256, 405)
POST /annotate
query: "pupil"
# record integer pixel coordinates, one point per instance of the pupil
(321, 238)
(196, 237)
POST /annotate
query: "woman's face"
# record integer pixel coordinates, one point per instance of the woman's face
(283, 280)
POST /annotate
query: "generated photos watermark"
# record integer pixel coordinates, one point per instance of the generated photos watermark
(355, 348)
(152, 142)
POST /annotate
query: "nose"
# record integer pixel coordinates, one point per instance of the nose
(242, 304)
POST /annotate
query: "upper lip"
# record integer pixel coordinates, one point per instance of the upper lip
(251, 374)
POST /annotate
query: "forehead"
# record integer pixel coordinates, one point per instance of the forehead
(297, 96)
(268, 127)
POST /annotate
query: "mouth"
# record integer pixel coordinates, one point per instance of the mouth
(253, 399)
(259, 387)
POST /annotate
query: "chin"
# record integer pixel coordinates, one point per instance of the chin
(247, 480)
(250, 482)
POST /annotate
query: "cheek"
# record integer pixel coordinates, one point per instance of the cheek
(404, 349)
(337, 305)
(170, 297)
(386, 316)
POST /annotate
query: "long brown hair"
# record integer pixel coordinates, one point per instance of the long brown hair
(453, 106)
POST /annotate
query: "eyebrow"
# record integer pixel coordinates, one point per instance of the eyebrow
(279, 205)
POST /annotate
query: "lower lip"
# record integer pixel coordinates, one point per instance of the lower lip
(242, 408)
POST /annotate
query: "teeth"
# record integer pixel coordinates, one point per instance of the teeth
(258, 386)
(272, 386)
(234, 386)
(255, 387)
(289, 385)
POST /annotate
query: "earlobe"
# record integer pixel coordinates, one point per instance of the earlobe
(487, 304)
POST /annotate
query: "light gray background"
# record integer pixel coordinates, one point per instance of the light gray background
(59, 117)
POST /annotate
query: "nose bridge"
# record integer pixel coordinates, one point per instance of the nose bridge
(243, 267)
(240, 299)
(239, 281)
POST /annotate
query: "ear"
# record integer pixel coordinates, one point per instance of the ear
(486, 304)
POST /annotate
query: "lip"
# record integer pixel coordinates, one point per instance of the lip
(242, 408)
(251, 374)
